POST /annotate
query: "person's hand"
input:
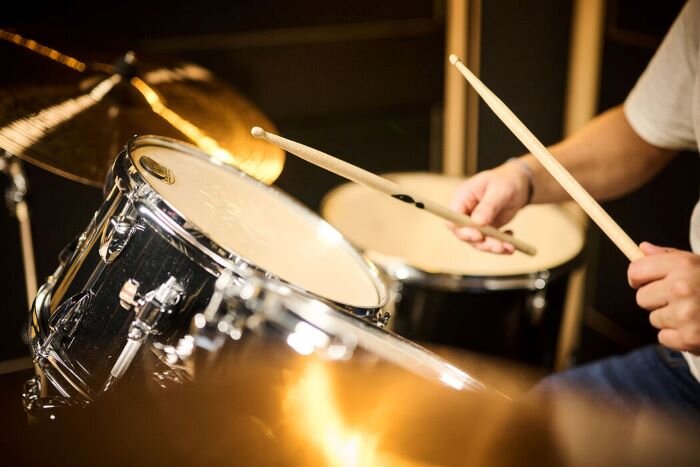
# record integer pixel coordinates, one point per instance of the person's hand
(491, 197)
(668, 285)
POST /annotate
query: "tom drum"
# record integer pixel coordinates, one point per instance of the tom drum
(449, 293)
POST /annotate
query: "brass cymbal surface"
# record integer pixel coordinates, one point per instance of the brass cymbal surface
(72, 117)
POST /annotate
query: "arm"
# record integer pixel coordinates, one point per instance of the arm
(606, 156)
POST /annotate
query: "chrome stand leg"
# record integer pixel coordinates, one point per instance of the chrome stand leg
(15, 197)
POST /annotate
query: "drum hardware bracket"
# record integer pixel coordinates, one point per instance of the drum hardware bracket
(117, 233)
(538, 300)
(228, 288)
(148, 309)
(64, 321)
(40, 406)
(176, 358)
(16, 192)
(383, 318)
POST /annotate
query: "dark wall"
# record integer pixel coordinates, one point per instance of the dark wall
(524, 59)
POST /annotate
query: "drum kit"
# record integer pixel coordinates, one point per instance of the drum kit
(191, 248)
(199, 284)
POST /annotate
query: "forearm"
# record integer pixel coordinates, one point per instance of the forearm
(606, 156)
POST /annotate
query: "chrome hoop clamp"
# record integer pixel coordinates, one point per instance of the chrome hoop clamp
(149, 309)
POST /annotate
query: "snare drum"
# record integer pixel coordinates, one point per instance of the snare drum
(450, 293)
(279, 378)
(172, 221)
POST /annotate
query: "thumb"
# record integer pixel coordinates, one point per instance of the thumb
(650, 249)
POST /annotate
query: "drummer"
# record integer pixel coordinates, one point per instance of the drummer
(614, 154)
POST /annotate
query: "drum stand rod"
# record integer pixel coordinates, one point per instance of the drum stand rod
(16, 203)
(15, 196)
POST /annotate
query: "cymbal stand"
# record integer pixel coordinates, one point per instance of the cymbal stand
(15, 198)
(16, 203)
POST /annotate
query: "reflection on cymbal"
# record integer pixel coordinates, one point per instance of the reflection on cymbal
(74, 117)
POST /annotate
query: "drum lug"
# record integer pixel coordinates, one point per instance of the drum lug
(383, 318)
(117, 234)
(149, 309)
(114, 238)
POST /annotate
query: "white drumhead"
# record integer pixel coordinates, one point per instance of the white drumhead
(390, 231)
(264, 227)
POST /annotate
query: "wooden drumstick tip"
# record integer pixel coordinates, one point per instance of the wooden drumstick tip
(258, 132)
(454, 59)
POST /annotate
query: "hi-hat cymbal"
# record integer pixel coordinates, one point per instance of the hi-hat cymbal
(72, 117)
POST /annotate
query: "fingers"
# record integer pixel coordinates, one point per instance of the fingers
(468, 234)
(486, 212)
(468, 194)
(483, 243)
(464, 201)
(671, 338)
(663, 318)
(681, 339)
(495, 198)
(653, 295)
(492, 245)
(485, 198)
(650, 249)
(650, 268)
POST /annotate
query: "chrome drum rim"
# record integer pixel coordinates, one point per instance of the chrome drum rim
(176, 229)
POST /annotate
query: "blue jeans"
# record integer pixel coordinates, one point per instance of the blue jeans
(650, 376)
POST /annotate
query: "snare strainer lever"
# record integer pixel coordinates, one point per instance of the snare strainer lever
(148, 309)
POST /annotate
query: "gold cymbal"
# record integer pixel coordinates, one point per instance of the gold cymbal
(72, 117)
(261, 404)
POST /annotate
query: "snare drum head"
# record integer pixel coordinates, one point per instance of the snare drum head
(259, 224)
(393, 232)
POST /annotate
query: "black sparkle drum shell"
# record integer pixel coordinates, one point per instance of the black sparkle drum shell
(172, 211)
(503, 323)
(449, 293)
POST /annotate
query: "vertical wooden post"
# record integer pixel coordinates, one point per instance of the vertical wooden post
(460, 118)
(583, 86)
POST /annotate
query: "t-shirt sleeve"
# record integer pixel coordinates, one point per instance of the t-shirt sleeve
(659, 108)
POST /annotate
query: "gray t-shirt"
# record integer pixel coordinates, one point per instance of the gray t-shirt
(664, 106)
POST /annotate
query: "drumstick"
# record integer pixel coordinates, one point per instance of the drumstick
(363, 177)
(614, 232)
